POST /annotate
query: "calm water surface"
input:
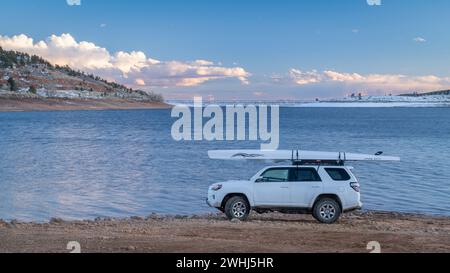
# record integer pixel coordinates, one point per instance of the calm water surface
(78, 165)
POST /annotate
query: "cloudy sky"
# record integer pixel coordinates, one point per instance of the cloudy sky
(241, 49)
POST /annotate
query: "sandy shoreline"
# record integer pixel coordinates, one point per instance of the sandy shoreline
(10, 104)
(213, 234)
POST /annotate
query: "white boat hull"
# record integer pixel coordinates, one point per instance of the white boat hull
(295, 155)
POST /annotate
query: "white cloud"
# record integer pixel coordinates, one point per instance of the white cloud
(419, 40)
(303, 78)
(202, 62)
(342, 77)
(132, 61)
(370, 82)
(140, 82)
(61, 50)
(133, 68)
(175, 73)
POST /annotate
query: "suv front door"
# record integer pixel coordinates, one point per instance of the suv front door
(306, 185)
(273, 188)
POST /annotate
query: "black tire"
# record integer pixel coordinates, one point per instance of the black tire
(237, 208)
(327, 211)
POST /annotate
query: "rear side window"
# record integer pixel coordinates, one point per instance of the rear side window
(338, 174)
(304, 175)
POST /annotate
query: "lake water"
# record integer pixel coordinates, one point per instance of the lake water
(82, 165)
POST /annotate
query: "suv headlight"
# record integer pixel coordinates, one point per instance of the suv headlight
(217, 187)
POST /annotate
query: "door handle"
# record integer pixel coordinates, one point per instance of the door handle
(285, 187)
(316, 187)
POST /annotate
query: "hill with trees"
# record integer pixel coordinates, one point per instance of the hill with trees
(30, 75)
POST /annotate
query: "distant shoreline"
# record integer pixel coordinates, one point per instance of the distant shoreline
(12, 104)
(346, 102)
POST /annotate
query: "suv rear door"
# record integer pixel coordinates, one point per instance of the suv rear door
(306, 185)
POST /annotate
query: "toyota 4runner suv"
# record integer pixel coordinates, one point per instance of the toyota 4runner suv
(324, 191)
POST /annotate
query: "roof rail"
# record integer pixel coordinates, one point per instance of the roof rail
(318, 162)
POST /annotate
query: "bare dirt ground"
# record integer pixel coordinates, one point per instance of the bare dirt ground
(36, 104)
(213, 234)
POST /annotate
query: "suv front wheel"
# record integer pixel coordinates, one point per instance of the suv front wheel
(327, 211)
(237, 208)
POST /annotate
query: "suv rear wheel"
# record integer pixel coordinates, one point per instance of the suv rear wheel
(237, 208)
(327, 211)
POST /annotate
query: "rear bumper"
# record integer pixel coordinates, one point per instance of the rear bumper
(357, 207)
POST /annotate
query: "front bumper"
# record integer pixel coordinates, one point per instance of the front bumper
(213, 201)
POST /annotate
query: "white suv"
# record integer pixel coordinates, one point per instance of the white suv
(324, 191)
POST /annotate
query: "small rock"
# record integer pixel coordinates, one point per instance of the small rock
(131, 248)
(136, 218)
(235, 221)
(154, 216)
(56, 221)
(5, 224)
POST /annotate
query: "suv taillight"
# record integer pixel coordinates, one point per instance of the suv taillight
(355, 186)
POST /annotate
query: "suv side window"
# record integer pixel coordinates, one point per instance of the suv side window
(304, 175)
(276, 175)
(338, 174)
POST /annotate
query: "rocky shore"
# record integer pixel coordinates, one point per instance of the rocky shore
(356, 232)
(28, 104)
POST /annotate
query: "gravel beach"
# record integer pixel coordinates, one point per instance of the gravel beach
(268, 233)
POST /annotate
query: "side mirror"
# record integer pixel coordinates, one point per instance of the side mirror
(260, 180)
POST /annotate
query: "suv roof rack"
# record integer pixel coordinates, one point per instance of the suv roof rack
(318, 162)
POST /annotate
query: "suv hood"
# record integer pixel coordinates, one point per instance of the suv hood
(234, 182)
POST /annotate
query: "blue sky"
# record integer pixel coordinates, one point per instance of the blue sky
(287, 49)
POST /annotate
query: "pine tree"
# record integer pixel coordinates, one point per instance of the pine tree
(33, 89)
(12, 84)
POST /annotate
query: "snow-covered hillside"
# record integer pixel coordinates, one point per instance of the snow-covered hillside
(387, 99)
